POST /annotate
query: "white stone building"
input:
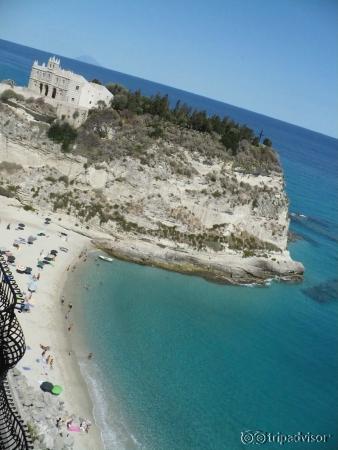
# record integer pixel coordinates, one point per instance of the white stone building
(71, 94)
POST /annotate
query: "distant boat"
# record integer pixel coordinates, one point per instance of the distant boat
(106, 258)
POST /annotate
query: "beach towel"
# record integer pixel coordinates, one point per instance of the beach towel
(74, 428)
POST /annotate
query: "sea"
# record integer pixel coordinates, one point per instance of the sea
(180, 363)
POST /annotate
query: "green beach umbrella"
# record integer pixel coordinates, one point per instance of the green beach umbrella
(57, 390)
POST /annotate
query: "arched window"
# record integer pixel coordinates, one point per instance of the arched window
(54, 93)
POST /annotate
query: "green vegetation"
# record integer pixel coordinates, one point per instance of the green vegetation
(267, 142)
(248, 243)
(28, 208)
(182, 115)
(9, 94)
(62, 133)
(33, 431)
(5, 192)
(50, 179)
(134, 123)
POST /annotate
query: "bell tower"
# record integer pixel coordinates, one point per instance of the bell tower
(54, 63)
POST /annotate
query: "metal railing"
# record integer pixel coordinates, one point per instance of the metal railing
(13, 432)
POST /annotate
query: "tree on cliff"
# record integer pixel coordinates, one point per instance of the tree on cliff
(267, 142)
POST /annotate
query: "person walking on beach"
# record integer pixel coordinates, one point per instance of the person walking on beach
(88, 424)
(45, 348)
(70, 327)
(90, 355)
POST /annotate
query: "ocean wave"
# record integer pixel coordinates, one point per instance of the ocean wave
(114, 431)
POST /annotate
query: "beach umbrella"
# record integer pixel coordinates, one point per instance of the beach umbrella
(20, 269)
(47, 258)
(32, 286)
(28, 270)
(57, 390)
(46, 386)
(22, 225)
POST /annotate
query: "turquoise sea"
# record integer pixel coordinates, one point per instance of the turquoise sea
(184, 364)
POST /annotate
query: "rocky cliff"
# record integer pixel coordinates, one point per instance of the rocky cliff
(176, 199)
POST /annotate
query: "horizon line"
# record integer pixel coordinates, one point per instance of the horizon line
(174, 87)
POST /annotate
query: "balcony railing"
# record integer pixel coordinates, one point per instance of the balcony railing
(13, 432)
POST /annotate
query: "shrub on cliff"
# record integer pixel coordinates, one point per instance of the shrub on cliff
(62, 133)
(267, 142)
(9, 94)
(5, 193)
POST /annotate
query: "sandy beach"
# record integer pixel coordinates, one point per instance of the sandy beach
(45, 324)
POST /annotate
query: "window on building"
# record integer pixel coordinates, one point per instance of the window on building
(73, 99)
(46, 90)
(77, 88)
(41, 87)
(54, 93)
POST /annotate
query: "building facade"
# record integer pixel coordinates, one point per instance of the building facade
(69, 92)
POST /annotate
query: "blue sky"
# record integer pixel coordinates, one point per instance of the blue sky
(276, 57)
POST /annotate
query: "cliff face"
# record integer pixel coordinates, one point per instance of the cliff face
(178, 201)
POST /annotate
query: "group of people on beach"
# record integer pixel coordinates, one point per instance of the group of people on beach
(69, 309)
(47, 359)
(85, 424)
(70, 306)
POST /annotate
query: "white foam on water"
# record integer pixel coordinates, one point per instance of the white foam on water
(114, 432)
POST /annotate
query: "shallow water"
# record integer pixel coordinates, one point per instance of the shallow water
(181, 363)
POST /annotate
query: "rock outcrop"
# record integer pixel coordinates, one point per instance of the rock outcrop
(182, 201)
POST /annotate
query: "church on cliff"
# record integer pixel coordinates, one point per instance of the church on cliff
(70, 93)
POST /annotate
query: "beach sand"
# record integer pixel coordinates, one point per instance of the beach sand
(46, 323)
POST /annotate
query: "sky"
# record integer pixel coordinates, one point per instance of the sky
(275, 57)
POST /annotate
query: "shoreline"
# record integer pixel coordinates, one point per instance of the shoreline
(45, 324)
(48, 315)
